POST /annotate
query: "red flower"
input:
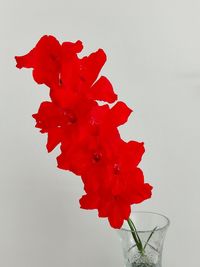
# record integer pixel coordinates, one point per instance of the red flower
(59, 67)
(86, 131)
(118, 185)
(49, 119)
(126, 157)
(68, 125)
(97, 143)
(117, 206)
(45, 59)
(88, 152)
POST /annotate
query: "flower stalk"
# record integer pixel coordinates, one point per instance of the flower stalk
(136, 237)
(138, 242)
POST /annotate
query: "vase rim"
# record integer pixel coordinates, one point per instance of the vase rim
(159, 228)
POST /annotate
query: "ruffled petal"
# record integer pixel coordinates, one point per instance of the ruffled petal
(91, 66)
(120, 113)
(120, 212)
(48, 116)
(102, 90)
(137, 191)
(54, 138)
(89, 201)
(69, 47)
(135, 151)
(45, 59)
(145, 192)
(26, 61)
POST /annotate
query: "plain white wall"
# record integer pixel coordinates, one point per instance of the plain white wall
(153, 49)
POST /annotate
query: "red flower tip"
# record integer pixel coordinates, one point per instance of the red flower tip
(19, 64)
(79, 46)
(120, 113)
(103, 90)
(91, 66)
(76, 47)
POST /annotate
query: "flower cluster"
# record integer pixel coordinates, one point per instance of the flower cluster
(87, 131)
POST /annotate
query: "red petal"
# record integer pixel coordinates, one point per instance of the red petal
(138, 191)
(136, 151)
(103, 90)
(91, 66)
(54, 138)
(120, 113)
(72, 47)
(89, 201)
(48, 116)
(143, 193)
(118, 214)
(25, 61)
(63, 161)
(44, 58)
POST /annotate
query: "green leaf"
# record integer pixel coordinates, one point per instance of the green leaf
(150, 236)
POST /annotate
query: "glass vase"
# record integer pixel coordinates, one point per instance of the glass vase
(150, 229)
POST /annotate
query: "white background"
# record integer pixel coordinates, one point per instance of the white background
(153, 49)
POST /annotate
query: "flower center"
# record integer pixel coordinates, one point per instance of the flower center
(116, 169)
(60, 80)
(116, 197)
(97, 157)
(71, 118)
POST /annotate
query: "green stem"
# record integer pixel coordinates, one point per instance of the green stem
(136, 237)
